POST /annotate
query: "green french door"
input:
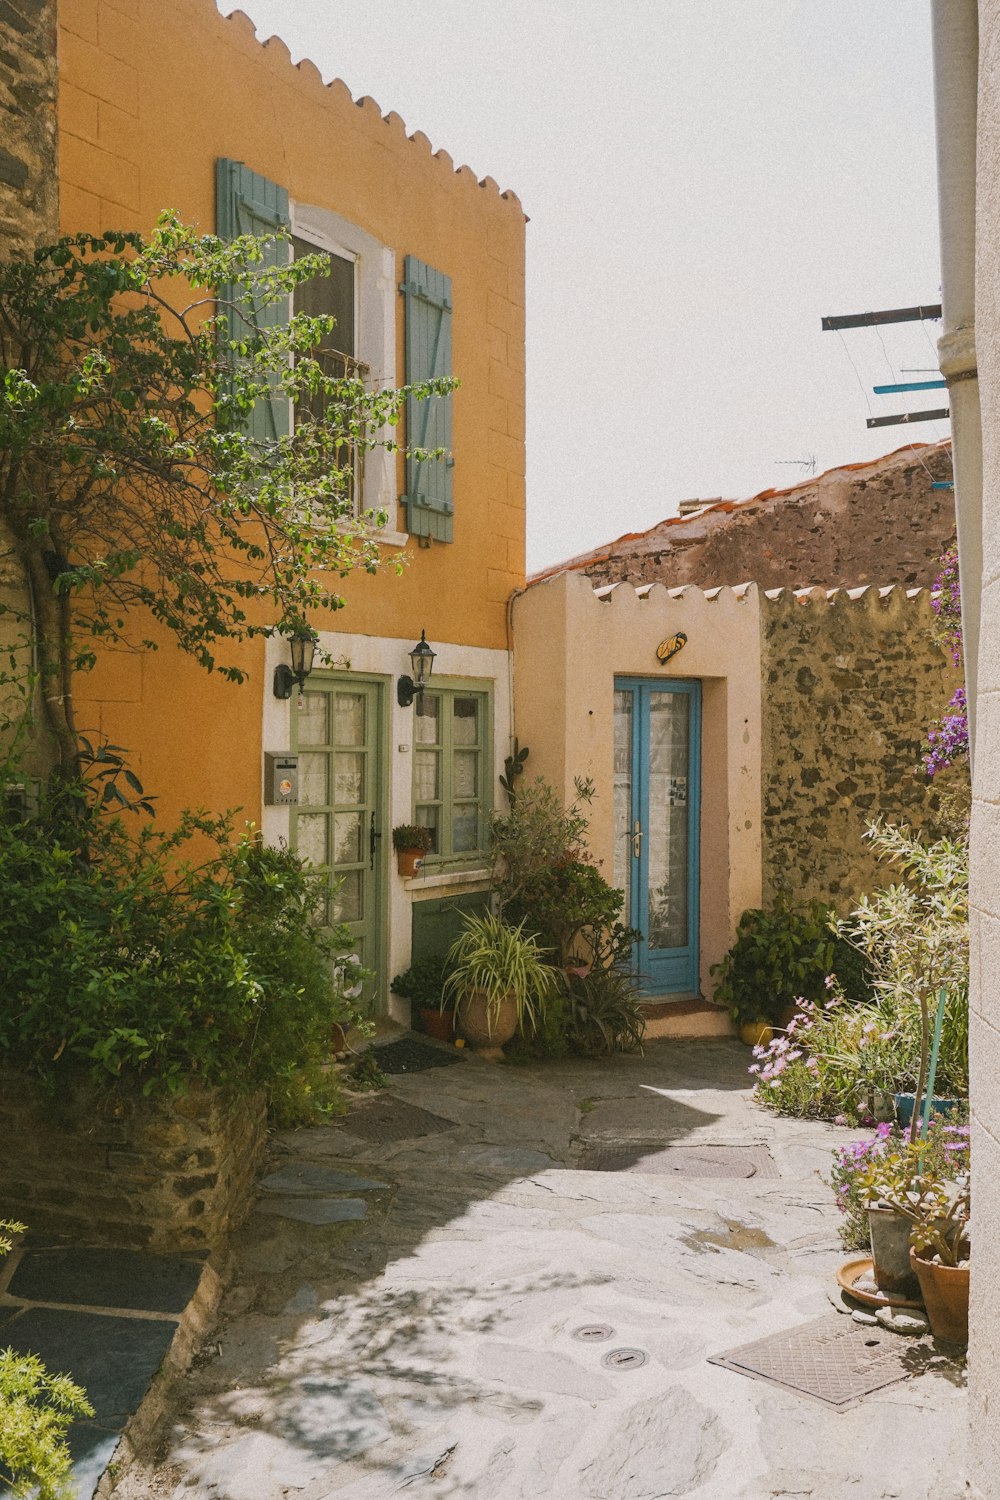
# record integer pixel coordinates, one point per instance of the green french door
(337, 732)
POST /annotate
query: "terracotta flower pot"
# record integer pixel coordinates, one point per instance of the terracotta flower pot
(484, 1028)
(945, 1290)
(890, 1237)
(408, 861)
(437, 1023)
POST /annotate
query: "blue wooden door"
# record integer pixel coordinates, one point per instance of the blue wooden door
(657, 792)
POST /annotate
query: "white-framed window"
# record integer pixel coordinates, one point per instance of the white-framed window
(360, 294)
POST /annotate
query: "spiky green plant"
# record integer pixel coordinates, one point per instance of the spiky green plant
(501, 963)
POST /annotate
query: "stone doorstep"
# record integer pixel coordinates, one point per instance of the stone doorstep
(685, 1020)
(94, 1444)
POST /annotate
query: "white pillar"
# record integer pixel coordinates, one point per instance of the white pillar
(956, 65)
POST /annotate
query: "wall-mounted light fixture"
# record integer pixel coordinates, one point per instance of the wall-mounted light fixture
(302, 649)
(408, 688)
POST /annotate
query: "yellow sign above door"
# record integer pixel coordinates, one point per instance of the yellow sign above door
(666, 649)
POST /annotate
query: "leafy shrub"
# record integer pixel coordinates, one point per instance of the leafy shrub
(423, 982)
(124, 955)
(36, 1410)
(604, 1011)
(777, 957)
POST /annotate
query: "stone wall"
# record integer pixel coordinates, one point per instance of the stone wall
(849, 683)
(158, 1175)
(29, 196)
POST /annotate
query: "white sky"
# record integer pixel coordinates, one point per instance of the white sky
(704, 181)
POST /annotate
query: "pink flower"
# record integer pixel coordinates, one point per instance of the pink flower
(840, 1119)
(829, 981)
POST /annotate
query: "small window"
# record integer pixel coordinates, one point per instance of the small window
(333, 295)
(451, 772)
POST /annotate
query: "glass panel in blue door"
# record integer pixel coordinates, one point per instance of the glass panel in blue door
(667, 834)
(623, 813)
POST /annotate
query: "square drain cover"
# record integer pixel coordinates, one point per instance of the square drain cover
(831, 1360)
(393, 1120)
(678, 1161)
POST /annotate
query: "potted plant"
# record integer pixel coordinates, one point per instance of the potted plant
(423, 985)
(411, 842)
(778, 956)
(939, 1254)
(498, 981)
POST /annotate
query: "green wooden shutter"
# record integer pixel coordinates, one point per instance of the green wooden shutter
(428, 498)
(247, 203)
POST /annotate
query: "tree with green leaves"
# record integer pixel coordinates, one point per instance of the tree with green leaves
(132, 484)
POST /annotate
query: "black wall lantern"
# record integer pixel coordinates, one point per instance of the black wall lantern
(408, 688)
(302, 649)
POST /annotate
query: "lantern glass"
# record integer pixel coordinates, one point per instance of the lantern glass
(302, 649)
(422, 658)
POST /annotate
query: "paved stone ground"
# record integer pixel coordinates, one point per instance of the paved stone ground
(402, 1322)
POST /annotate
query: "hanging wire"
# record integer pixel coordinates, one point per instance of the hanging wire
(888, 362)
(864, 388)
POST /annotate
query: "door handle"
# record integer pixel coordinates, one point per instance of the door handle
(373, 837)
(636, 839)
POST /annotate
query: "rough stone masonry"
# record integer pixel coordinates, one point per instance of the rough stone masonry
(29, 194)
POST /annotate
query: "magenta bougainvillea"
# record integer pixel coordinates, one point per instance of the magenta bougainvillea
(948, 738)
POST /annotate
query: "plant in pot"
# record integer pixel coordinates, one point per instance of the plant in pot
(411, 842)
(498, 981)
(918, 1209)
(778, 957)
(423, 985)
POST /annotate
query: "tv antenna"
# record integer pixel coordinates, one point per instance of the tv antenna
(809, 464)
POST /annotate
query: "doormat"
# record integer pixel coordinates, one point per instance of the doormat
(393, 1120)
(408, 1056)
(830, 1360)
(678, 1161)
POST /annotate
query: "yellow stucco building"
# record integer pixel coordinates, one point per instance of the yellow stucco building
(169, 105)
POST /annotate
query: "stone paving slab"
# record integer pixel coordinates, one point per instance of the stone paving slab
(315, 1210)
(107, 1278)
(429, 1348)
(307, 1177)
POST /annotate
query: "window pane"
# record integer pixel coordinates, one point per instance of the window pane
(465, 774)
(427, 778)
(347, 902)
(427, 817)
(465, 721)
(623, 800)
(312, 779)
(426, 725)
(350, 778)
(329, 296)
(348, 719)
(347, 834)
(465, 828)
(312, 719)
(310, 837)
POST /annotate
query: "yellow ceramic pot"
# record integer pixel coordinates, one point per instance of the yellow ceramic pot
(756, 1033)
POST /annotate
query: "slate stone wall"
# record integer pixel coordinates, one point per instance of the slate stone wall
(849, 687)
(158, 1175)
(29, 194)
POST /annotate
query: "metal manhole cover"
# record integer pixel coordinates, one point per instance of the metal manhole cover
(678, 1161)
(831, 1360)
(393, 1120)
(594, 1333)
(624, 1359)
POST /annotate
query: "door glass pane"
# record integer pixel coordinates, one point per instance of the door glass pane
(623, 800)
(310, 837)
(348, 830)
(347, 902)
(425, 724)
(465, 722)
(465, 829)
(312, 779)
(349, 778)
(312, 724)
(426, 776)
(667, 835)
(348, 719)
(465, 774)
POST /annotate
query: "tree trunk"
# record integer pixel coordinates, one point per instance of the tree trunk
(52, 615)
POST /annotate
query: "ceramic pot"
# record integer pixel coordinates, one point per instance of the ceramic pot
(890, 1237)
(906, 1102)
(408, 861)
(438, 1023)
(486, 1028)
(945, 1290)
(756, 1033)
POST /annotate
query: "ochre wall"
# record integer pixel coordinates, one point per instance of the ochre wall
(849, 687)
(152, 93)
